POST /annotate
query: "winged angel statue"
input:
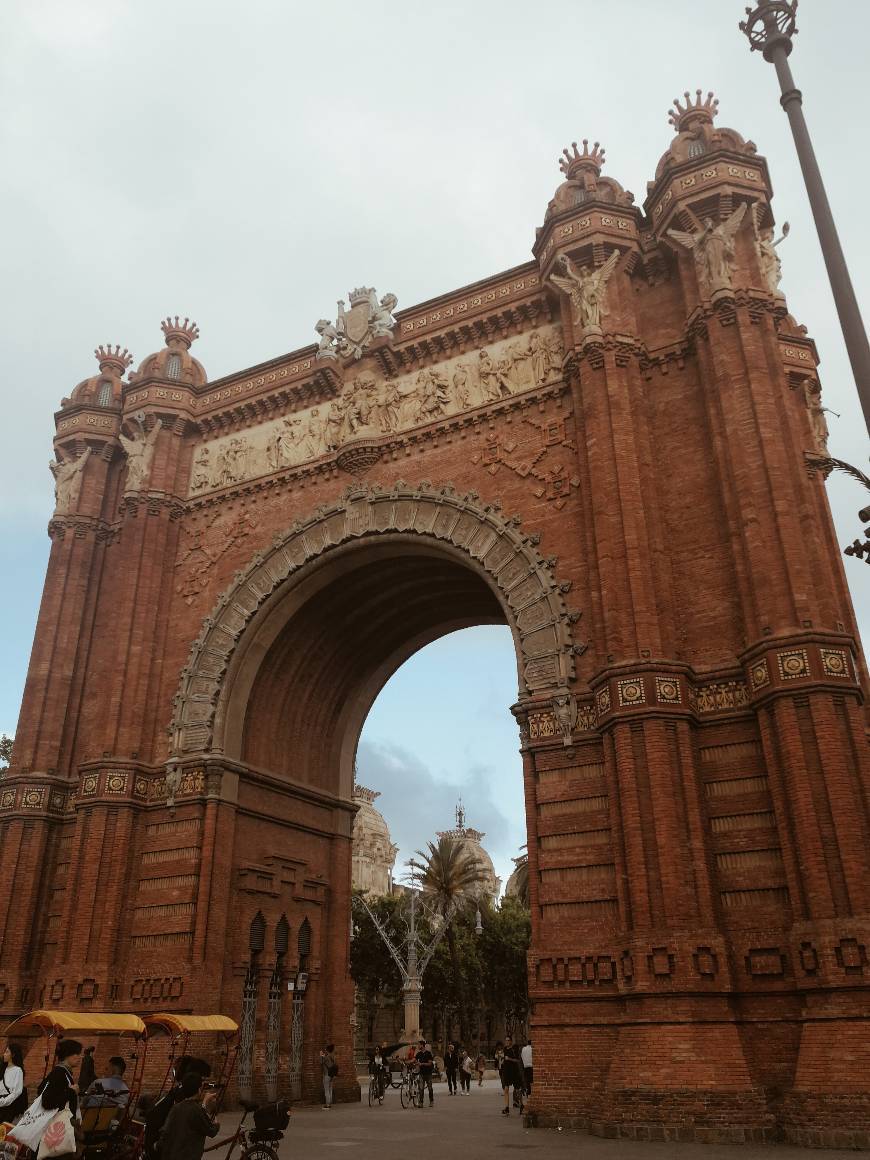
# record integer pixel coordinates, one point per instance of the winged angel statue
(713, 249)
(586, 288)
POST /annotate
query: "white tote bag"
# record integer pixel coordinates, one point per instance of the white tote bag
(28, 1131)
(59, 1137)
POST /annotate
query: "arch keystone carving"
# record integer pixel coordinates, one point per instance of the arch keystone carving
(532, 598)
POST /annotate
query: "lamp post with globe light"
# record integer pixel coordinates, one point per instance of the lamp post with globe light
(770, 29)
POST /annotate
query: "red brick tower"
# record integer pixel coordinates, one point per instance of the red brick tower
(237, 567)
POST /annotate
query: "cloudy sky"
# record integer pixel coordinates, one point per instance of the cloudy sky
(247, 164)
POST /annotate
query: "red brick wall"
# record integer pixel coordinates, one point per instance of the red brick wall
(697, 839)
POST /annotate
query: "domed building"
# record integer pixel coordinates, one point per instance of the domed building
(374, 853)
(470, 839)
(517, 885)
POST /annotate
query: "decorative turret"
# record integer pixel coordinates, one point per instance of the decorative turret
(179, 333)
(103, 389)
(696, 135)
(697, 112)
(574, 163)
(583, 181)
(175, 364)
(113, 360)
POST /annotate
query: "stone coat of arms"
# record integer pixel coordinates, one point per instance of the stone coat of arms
(354, 329)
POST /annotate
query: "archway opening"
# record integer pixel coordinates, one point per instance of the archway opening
(439, 733)
(326, 650)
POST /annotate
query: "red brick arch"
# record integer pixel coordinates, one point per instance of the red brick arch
(479, 536)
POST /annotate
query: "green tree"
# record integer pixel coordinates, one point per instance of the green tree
(372, 967)
(504, 944)
(451, 879)
(5, 750)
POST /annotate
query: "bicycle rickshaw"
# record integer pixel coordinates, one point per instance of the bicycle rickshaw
(270, 1120)
(109, 1130)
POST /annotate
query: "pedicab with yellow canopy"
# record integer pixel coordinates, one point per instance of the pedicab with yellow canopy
(220, 1038)
(107, 1126)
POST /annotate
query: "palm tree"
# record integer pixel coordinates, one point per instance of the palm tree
(451, 878)
(521, 882)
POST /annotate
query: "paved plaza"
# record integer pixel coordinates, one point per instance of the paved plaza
(473, 1128)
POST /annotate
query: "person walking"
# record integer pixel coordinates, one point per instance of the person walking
(190, 1122)
(526, 1057)
(13, 1097)
(451, 1066)
(425, 1061)
(509, 1072)
(466, 1067)
(480, 1067)
(330, 1070)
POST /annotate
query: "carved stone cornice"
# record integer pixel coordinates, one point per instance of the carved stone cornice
(27, 793)
(81, 526)
(151, 503)
(801, 663)
(702, 177)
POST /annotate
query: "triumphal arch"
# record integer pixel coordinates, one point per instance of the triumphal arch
(611, 450)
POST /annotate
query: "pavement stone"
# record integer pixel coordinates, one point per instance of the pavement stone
(473, 1127)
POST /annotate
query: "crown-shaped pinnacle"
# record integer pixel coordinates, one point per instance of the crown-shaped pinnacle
(113, 358)
(592, 158)
(177, 330)
(698, 110)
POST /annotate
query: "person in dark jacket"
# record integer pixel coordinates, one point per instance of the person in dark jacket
(451, 1066)
(190, 1122)
(59, 1089)
(157, 1114)
(87, 1072)
(510, 1072)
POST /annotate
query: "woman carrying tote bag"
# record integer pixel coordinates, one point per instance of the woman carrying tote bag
(13, 1097)
(47, 1125)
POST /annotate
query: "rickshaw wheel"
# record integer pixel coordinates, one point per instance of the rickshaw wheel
(259, 1152)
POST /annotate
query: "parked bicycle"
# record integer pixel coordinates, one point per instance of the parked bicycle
(261, 1141)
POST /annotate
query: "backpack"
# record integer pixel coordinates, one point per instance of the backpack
(332, 1070)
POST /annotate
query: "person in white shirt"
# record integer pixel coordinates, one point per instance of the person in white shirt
(12, 1083)
(110, 1090)
(526, 1056)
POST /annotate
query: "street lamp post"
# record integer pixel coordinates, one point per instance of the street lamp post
(414, 956)
(770, 29)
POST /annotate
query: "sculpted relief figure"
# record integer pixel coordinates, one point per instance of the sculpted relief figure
(488, 375)
(68, 481)
(371, 406)
(433, 394)
(140, 453)
(328, 338)
(388, 403)
(765, 247)
(232, 463)
(586, 287)
(818, 422)
(200, 476)
(713, 249)
(382, 321)
(565, 709)
(355, 329)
